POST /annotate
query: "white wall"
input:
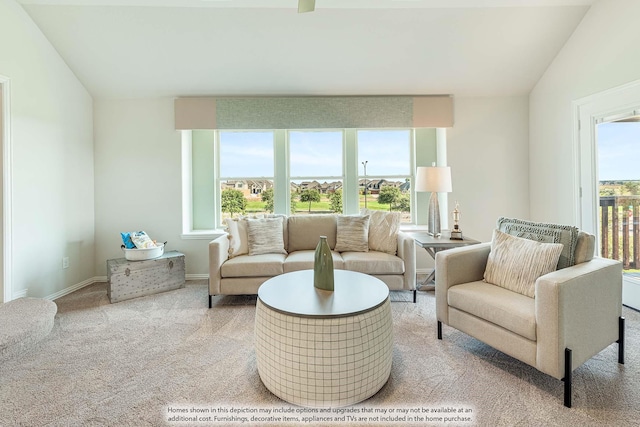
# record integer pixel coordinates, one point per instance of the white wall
(138, 179)
(52, 138)
(487, 149)
(601, 54)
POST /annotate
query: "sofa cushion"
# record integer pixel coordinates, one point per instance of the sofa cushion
(253, 266)
(510, 310)
(303, 260)
(546, 233)
(515, 263)
(373, 262)
(383, 230)
(353, 233)
(265, 236)
(305, 231)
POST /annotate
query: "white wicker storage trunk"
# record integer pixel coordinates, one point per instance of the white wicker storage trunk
(132, 279)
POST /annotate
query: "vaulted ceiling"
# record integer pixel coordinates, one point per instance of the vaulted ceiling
(151, 48)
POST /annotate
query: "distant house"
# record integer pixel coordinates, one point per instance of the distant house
(249, 187)
(374, 185)
(324, 188)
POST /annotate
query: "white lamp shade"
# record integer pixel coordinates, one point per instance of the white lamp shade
(434, 179)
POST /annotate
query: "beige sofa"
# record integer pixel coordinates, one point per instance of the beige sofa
(571, 314)
(243, 274)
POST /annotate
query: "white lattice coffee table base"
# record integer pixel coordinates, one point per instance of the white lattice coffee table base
(324, 362)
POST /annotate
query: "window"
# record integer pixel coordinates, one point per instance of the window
(246, 164)
(385, 165)
(227, 173)
(316, 171)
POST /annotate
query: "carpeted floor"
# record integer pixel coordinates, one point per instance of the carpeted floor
(143, 361)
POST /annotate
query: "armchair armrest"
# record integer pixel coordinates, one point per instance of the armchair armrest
(218, 254)
(578, 308)
(407, 251)
(456, 266)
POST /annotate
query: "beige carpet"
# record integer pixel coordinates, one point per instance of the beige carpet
(125, 364)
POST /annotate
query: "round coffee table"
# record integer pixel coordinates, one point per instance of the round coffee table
(323, 349)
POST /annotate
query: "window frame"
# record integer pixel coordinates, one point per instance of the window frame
(217, 213)
(420, 154)
(412, 167)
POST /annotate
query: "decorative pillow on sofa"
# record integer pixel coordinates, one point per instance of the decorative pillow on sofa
(515, 263)
(265, 236)
(546, 233)
(383, 230)
(353, 233)
(237, 234)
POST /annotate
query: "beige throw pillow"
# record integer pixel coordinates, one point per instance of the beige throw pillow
(515, 263)
(383, 230)
(353, 233)
(237, 235)
(265, 236)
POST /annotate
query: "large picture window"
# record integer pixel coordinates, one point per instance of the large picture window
(294, 172)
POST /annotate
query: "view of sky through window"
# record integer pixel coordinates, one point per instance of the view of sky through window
(619, 151)
(246, 154)
(315, 153)
(385, 151)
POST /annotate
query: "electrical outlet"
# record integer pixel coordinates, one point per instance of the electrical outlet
(65, 262)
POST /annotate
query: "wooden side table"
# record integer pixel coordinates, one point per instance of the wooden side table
(434, 245)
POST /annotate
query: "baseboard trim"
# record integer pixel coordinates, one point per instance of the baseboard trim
(20, 294)
(72, 288)
(96, 279)
(196, 276)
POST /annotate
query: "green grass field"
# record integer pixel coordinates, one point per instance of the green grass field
(324, 205)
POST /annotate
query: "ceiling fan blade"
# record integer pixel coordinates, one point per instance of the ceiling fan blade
(306, 6)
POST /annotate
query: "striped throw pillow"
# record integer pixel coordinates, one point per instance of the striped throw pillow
(515, 263)
(353, 233)
(265, 236)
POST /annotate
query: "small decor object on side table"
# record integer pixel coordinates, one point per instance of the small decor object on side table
(456, 233)
(323, 266)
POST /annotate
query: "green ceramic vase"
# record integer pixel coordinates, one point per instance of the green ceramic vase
(323, 266)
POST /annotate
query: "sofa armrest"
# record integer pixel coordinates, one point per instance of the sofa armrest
(578, 308)
(456, 266)
(218, 254)
(407, 251)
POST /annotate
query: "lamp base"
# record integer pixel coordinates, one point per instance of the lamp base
(433, 226)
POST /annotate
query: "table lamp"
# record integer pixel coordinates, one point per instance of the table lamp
(435, 179)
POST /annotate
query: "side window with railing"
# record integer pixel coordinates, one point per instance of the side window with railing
(619, 227)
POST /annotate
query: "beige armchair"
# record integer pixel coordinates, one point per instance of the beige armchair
(575, 312)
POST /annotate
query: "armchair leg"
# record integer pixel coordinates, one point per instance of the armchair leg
(567, 377)
(210, 300)
(415, 292)
(439, 330)
(567, 362)
(621, 340)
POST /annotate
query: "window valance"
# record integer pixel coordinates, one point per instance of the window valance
(313, 112)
